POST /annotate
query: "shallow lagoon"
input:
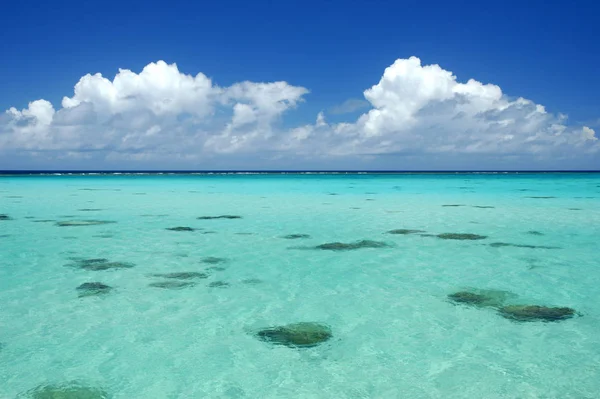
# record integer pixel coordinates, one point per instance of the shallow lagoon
(394, 333)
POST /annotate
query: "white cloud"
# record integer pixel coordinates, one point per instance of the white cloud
(159, 88)
(162, 113)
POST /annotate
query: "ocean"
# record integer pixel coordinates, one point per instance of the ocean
(414, 280)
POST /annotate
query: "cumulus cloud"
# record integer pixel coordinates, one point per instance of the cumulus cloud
(162, 113)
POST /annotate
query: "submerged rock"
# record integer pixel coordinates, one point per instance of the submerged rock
(182, 275)
(296, 335)
(483, 207)
(74, 223)
(5, 217)
(211, 260)
(72, 390)
(536, 313)
(295, 236)
(219, 284)
(172, 285)
(548, 197)
(481, 298)
(506, 244)
(460, 236)
(181, 228)
(452, 205)
(219, 217)
(95, 288)
(405, 231)
(99, 264)
(89, 209)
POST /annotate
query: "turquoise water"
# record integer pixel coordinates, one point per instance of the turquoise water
(395, 333)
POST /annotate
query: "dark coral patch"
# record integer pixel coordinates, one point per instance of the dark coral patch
(295, 236)
(219, 217)
(535, 233)
(296, 335)
(483, 207)
(182, 275)
(480, 298)
(342, 246)
(460, 236)
(5, 217)
(172, 285)
(536, 313)
(77, 223)
(99, 264)
(89, 209)
(506, 244)
(468, 298)
(252, 281)
(212, 260)
(72, 390)
(181, 228)
(95, 288)
(453, 205)
(219, 284)
(541, 197)
(405, 231)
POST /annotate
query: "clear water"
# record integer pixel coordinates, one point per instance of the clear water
(395, 334)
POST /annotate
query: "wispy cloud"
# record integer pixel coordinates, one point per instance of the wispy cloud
(349, 106)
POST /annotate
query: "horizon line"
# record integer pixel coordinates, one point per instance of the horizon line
(291, 171)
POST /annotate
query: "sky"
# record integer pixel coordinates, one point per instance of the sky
(307, 85)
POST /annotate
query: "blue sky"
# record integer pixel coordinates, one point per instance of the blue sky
(545, 52)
